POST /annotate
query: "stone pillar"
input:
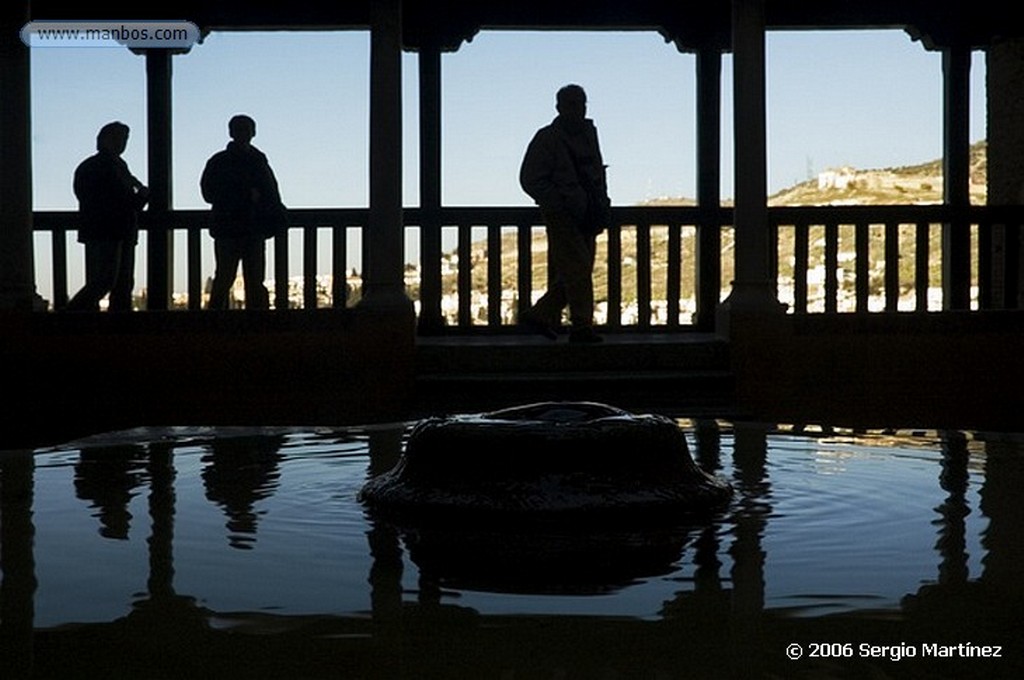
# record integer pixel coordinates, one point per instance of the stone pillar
(160, 251)
(746, 616)
(383, 277)
(17, 265)
(430, 189)
(1003, 551)
(956, 235)
(1005, 89)
(709, 185)
(1005, 135)
(18, 582)
(752, 292)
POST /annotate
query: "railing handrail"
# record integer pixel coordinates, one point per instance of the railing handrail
(48, 220)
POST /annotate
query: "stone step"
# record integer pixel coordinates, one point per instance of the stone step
(678, 375)
(528, 354)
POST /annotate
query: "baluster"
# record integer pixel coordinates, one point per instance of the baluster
(862, 266)
(494, 287)
(280, 272)
(614, 276)
(708, 267)
(892, 266)
(922, 277)
(986, 297)
(339, 266)
(673, 284)
(643, 274)
(801, 254)
(831, 268)
(431, 316)
(956, 267)
(465, 275)
(60, 267)
(309, 247)
(524, 260)
(194, 265)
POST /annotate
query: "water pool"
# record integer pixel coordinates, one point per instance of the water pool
(245, 553)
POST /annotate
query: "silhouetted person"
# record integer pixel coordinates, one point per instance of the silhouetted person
(109, 200)
(110, 477)
(240, 186)
(564, 173)
(239, 473)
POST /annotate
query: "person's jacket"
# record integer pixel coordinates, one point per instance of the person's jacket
(241, 188)
(558, 161)
(109, 199)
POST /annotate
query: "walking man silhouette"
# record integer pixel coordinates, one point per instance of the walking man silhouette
(565, 175)
(109, 201)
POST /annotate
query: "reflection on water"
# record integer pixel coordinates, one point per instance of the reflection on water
(245, 554)
(108, 477)
(239, 472)
(556, 560)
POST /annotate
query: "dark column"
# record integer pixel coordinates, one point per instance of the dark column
(954, 479)
(386, 593)
(709, 185)
(1003, 555)
(753, 506)
(17, 564)
(383, 282)
(162, 499)
(158, 116)
(17, 267)
(750, 289)
(956, 235)
(1005, 107)
(430, 189)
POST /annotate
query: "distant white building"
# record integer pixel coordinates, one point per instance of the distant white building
(836, 178)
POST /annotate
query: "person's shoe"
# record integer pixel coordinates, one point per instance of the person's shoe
(585, 335)
(535, 325)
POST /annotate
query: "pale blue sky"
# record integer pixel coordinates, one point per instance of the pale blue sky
(868, 99)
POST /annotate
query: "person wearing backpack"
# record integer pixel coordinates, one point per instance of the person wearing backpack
(241, 188)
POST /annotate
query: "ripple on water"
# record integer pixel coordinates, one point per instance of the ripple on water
(269, 520)
(852, 521)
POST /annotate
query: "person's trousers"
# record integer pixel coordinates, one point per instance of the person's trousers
(228, 253)
(109, 268)
(570, 273)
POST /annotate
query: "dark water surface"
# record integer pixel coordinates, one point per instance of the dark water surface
(246, 554)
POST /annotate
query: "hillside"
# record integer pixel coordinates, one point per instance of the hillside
(914, 184)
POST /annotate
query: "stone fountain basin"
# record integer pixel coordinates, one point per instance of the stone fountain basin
(543, 461)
